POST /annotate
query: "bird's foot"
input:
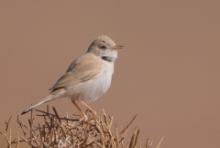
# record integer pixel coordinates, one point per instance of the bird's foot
(84, 117)
(93, 112)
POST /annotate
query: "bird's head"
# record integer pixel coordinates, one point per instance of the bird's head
(104, 47)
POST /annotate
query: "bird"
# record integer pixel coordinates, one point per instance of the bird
(88, 77)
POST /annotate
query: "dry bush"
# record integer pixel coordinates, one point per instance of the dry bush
(47, 129)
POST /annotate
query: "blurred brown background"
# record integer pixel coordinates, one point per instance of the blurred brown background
(168, 74)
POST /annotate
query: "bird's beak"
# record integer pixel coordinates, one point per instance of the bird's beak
(118, 47)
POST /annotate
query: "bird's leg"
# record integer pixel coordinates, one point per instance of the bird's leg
(87, 106)
(80, 110)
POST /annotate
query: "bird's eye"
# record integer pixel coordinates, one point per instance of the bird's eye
(103, 47)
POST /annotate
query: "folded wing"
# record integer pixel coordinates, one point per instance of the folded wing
(83, 69)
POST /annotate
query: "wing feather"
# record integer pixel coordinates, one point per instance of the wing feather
(83, 69)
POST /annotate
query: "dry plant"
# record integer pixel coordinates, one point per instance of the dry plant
(47, 129)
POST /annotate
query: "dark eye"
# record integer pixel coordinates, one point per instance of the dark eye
(103, 47)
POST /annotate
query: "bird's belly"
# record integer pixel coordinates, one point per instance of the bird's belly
(93, 89)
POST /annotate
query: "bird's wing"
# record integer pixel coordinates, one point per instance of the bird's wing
(83, 69)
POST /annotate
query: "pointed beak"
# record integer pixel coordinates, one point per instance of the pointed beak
(118, 47)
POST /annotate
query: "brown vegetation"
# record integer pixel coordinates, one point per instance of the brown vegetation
(46, 129)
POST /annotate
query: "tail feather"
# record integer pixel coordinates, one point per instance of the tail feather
(46, 99)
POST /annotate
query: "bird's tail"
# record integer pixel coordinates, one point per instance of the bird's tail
(52, 96)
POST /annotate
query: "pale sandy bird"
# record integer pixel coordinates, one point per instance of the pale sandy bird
(88, 77)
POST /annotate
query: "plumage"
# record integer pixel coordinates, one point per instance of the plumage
(86, 67)
(92, 89)
(89, 76)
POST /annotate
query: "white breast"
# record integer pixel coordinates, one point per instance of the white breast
(93, 89)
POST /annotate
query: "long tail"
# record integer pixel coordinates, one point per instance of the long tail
(53, 96)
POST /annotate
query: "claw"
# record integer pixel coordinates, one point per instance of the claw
(84, 118)
(93, 112)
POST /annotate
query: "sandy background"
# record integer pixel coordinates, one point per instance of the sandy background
(168, 74)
